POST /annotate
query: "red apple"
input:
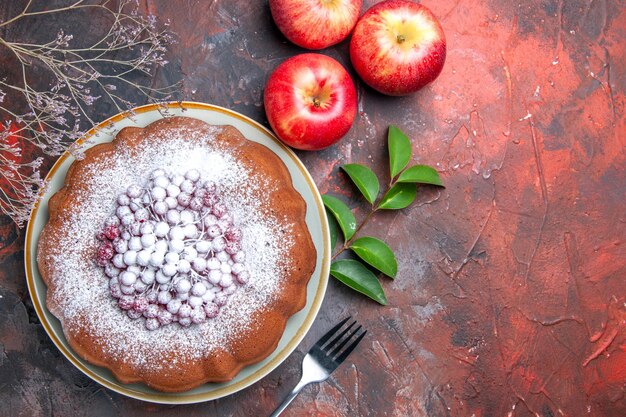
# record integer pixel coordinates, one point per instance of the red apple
(398, 47)
(310, 101)
(315, 24)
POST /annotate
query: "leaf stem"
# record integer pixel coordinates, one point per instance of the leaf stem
(347, 244)
(373, 210)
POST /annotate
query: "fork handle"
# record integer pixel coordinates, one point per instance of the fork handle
(294, 392)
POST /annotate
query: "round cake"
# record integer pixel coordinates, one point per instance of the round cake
(175, 254)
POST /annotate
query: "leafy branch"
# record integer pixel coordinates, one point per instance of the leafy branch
(49, 101)
(401, 192)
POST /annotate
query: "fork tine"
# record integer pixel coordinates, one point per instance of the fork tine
(346, 340)
(330, 333)
(350, 348)
(338, 337)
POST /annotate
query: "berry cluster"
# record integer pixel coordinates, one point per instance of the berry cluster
(171, 251)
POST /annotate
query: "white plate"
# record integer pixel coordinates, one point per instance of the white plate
(297, 325)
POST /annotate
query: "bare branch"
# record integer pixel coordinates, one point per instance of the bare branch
(52, 119)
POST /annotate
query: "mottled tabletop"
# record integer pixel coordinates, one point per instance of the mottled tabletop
(509, 298)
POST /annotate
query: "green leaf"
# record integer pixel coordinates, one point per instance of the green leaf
(365, 180)
(399, 150)
(356, 276)
(376, 253)
(333, 229)
(399, 196)
(342, 213)
(421, 174)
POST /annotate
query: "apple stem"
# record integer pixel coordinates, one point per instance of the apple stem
(316, 102)
(400, 38)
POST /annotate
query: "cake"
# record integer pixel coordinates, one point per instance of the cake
(175, 254)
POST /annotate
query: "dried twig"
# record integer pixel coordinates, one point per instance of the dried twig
(53, 118)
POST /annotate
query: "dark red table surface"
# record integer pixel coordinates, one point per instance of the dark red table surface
(510, 294)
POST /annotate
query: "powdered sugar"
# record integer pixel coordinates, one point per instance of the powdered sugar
(81, 297)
